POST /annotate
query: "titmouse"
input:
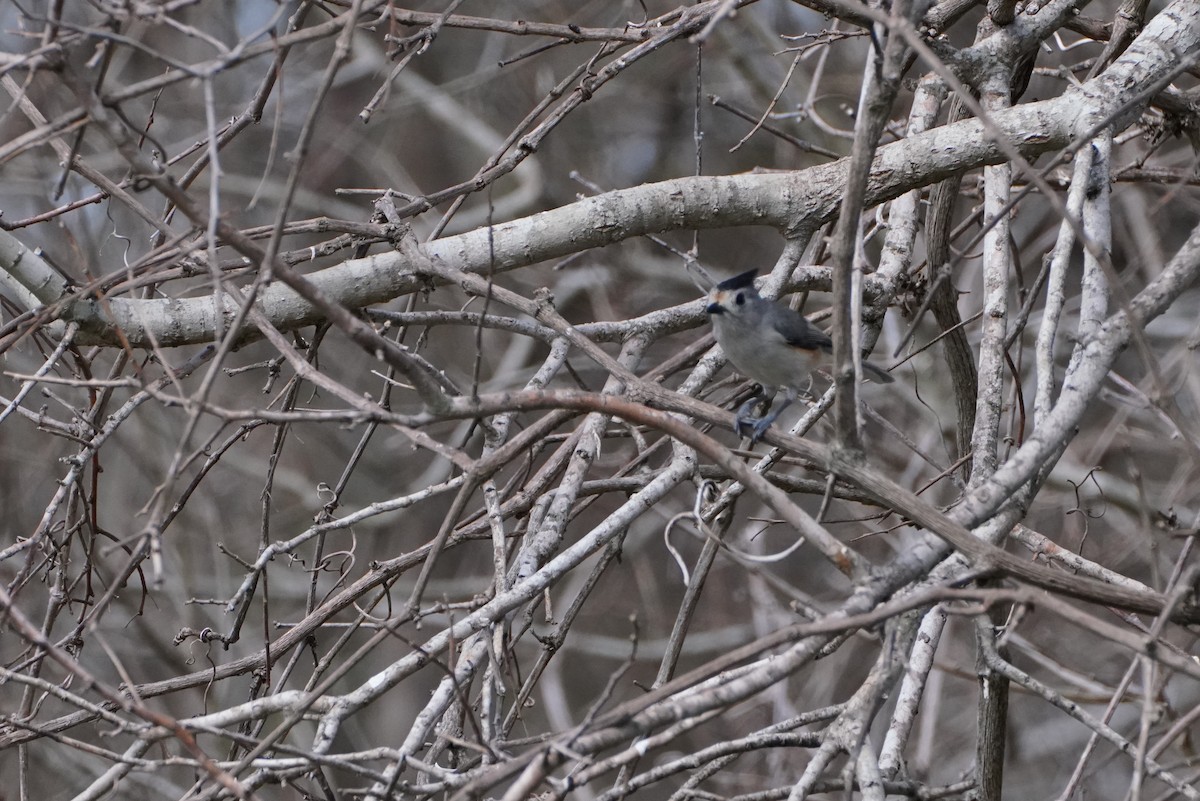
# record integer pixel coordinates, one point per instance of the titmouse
(771, 343)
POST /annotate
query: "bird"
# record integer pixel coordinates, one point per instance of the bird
(773, 344)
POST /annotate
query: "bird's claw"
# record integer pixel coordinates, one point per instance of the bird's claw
(760, 427)
(752, 427)
(744, 426)
(748, 424)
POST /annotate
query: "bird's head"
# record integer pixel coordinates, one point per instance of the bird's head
(732, 295)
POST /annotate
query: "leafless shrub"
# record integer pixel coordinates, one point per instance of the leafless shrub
(341, 458)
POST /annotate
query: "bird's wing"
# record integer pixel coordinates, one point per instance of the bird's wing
(798, 331)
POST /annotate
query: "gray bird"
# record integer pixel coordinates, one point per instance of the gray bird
(771, 343)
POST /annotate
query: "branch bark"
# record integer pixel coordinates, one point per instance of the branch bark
(787, 202)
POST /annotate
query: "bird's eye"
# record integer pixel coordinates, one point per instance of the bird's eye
(740, 299)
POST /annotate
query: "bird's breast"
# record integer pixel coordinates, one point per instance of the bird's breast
(771, 362)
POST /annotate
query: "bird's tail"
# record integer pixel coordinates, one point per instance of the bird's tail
(877, 373)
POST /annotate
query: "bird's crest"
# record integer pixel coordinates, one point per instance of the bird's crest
(739, 281)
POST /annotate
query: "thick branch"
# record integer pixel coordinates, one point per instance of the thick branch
(781, 200)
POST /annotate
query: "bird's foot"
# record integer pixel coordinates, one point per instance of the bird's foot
(759, 428)
(746, 423)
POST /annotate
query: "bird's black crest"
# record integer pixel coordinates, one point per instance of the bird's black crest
(739, 281)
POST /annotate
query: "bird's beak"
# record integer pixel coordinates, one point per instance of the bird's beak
(714, 308)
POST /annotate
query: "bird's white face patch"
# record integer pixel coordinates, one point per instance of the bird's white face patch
(729, 300)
